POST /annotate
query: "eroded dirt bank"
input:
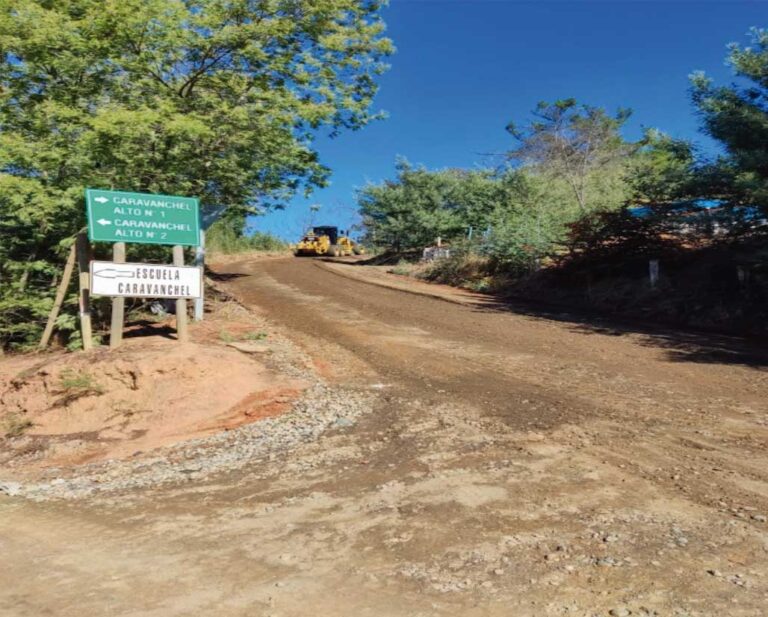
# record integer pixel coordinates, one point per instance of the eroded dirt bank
(511, 464)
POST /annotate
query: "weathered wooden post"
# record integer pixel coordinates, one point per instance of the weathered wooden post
(61, 293)
(118, 303)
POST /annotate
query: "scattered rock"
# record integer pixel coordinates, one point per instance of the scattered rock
(12, 489)
(319, 409)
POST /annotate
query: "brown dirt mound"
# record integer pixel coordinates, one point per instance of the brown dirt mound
(73, 408)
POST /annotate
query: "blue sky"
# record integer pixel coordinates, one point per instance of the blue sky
(465, 68)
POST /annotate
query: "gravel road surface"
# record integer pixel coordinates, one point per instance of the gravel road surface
(499, 460)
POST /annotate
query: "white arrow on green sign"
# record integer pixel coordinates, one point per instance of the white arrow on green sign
(120, 216)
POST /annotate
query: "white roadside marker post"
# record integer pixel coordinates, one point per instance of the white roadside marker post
(182, 332)
(200, 263)
(118, 304)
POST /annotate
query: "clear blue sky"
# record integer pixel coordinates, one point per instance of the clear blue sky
(465, 68)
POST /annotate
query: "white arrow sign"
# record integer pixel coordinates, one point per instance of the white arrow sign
(145, 280)
(104, 222)
(101, 200)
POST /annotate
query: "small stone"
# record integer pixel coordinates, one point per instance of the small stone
(620, 612)
(486, 584)
(611, 537)
(760, 518)
(10, 488)
(498, 571)
(714, 572)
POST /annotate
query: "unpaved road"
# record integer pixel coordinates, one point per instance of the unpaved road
(517, 463)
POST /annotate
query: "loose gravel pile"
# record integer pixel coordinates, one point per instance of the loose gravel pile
(320, 409)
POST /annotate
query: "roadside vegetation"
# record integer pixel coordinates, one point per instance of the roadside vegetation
(574, 212)
(227, 238)
(217, 100)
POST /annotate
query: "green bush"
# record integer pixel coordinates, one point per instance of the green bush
(462, 269)
(226, 239)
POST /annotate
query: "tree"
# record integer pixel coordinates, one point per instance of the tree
(220, 99)
(412, 210)
(573, 142)
(528, 222)
(663, 169)
(737, 116)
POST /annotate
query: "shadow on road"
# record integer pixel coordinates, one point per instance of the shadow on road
(141, 328)
(681, 345)
(223, 277)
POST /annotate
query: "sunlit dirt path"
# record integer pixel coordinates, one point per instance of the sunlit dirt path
(516, 462)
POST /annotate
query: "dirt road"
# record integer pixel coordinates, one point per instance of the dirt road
(517, 462)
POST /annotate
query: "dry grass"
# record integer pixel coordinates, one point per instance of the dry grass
(15, 425)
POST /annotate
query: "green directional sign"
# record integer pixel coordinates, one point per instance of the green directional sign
(119, 216)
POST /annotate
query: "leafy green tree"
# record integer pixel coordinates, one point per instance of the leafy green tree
(573, 142)
(737, 116)
(419, 205)
(527, 223)
(220, 99)
(663, 169)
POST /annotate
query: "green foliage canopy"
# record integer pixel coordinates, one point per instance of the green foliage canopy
(573, 142)
(219, 99)
(412, 210)
(737, 116)
(570, 161)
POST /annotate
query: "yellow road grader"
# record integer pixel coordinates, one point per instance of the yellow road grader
(326, 241)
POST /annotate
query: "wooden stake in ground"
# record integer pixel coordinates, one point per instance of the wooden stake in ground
(83, 248)
(61, 293)
(118, 304)
(182, 331)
